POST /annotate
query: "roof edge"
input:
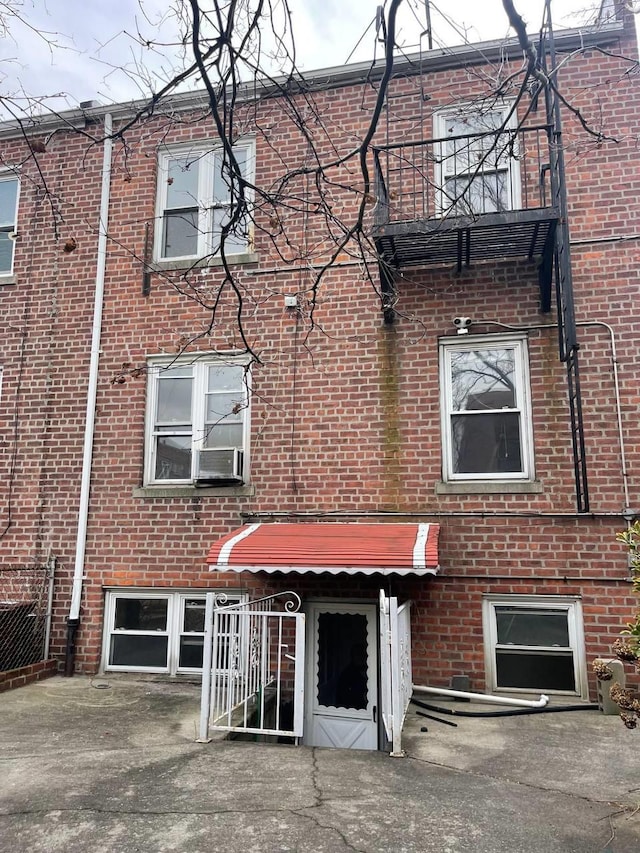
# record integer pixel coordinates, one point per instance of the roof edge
(321, 79)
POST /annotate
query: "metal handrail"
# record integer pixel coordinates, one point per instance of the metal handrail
(512, 131)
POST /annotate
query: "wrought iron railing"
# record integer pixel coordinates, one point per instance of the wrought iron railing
(253, 666)
(465, 175)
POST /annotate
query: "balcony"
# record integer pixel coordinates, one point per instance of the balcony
(465, 199)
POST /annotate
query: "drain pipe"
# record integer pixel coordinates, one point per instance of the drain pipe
(483, 697)
(73, 620)
(627, 512)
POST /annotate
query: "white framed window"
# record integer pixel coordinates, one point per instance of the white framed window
(195, 202)
(197, 420)
(534, 643)
(9, 191)
(477, 168)
(152, 631)
(486, 412)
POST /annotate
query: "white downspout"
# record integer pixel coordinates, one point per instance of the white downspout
(483, 697)
(92, 390)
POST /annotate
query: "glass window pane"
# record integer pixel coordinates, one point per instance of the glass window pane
(481, 193)
(535, 671)
(222, 174)
(173, 457)
(236, 240)
(174, 399)
(191, 652)
(180, 238)
(8, 198)
(470, 124)
(223, 405)
(132, 650)
(225, 377)
(194, 615)
(176, 371)
(483, 379)
(182, 183)
(6, 252)
(221, 181)
(141, 614)
(528, 627)
(486, 444)
(224, 435)
(342, 660)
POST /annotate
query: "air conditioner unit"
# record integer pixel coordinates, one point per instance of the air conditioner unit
(219, 465)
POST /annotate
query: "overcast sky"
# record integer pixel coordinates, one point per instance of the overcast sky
(88, 49)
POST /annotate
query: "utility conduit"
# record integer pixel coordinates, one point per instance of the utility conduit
(483, 697)
(73, 619)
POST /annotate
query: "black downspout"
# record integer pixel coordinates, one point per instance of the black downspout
(70, 648)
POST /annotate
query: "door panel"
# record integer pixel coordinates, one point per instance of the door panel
(342, 676)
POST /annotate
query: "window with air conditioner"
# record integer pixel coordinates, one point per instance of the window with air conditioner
(486, 414)
(9, 188)
(203, 199)
(197, 421)
(534, 643)
(477, 168)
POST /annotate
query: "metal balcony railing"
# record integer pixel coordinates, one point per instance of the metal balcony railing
(467, 176)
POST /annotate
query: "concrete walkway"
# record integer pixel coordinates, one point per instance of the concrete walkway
(116, 770)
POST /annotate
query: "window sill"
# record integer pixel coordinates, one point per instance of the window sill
(199, 263)
(194, 491)
(7, 279)
(490, 487)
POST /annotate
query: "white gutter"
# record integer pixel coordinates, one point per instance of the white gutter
(92, 390)
(483, 697)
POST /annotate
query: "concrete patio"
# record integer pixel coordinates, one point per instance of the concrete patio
(111, 765)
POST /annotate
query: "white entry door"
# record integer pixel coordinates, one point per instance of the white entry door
(342, 676)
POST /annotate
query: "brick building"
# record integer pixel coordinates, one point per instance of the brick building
(422, 385)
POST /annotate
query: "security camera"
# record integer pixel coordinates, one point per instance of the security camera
(462, 324)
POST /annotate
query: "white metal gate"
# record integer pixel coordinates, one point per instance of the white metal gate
(395, 667)
(253, 666)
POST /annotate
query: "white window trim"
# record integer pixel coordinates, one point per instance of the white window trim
(514, 181)
(10, 175)
(523, 391)
(176, 599)
(204, 151)
(571, 604)
(155, 364)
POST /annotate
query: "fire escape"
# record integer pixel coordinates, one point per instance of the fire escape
(496, 190)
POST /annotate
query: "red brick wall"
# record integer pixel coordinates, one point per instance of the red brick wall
(12, 678)
(346, 414)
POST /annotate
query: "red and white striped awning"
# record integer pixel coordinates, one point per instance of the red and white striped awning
(329, 548)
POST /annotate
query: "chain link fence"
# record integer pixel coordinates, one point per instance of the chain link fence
(25, 614)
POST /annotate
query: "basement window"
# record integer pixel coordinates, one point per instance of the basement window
(149, 631)
(534, 644)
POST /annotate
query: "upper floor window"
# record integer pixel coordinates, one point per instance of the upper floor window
(195, 202)
(476, 167)
(197, 421)
(9, 186)
(487, 431)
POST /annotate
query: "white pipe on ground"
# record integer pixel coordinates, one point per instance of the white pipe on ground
(483, 697)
